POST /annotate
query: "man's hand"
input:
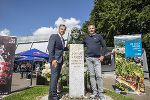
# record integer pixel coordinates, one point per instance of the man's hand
(101, 58)
(54, 63)
(68, 46)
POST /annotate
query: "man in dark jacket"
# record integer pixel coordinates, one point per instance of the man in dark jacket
(94, 57)
(56, 48)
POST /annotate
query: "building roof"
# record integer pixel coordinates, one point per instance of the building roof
(31, 42)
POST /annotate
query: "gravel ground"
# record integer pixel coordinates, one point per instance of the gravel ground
(65, 96)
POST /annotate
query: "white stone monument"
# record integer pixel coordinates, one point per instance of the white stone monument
(76, 71)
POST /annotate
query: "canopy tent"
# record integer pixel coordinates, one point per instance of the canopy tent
(33, 53)
(29, 58)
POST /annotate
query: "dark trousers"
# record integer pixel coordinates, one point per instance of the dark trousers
(21, 74)
(55, 73)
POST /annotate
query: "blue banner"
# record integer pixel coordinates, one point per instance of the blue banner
(133, 49)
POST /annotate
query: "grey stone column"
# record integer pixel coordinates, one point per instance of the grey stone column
(76, 71)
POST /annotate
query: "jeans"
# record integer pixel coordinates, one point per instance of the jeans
(94, 67)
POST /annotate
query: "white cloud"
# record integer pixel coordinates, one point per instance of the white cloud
(4, 32)
(47, 31)
(68, 22)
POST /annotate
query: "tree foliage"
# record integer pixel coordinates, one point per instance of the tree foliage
(119, 17)
(146, 45)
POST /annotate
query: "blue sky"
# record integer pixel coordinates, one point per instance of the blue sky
(28, 17)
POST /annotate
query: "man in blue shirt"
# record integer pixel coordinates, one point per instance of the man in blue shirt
(94, 57)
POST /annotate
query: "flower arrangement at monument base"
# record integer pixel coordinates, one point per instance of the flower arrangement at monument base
(46, 73)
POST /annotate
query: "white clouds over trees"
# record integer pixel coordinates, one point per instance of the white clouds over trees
(70, 23)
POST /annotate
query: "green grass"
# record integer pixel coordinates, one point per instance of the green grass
(33, 92)
(29, 94)
(116, 96)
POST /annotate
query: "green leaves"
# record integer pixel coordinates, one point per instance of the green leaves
(119, 17)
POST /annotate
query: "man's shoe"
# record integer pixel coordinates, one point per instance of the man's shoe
(53, 98)
(93, 96)
(102, 98)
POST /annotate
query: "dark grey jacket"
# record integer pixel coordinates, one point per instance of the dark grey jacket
(55, 48)
(93, 46)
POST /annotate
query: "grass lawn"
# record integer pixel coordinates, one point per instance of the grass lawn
(36, 91)
(29, 94)
(116, 96)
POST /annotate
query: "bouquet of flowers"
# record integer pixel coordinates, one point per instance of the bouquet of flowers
(47, 74)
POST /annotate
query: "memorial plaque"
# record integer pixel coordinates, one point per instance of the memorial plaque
(76, 71)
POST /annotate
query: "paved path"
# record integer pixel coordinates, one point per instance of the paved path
(18, 83)
(109, 80)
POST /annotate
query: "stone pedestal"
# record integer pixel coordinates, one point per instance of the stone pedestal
(76, 71)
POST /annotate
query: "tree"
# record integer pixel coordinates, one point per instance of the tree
(119, 17)
(146, 45)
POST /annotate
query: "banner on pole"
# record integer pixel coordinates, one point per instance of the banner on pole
(129, 63)
(7, 52)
